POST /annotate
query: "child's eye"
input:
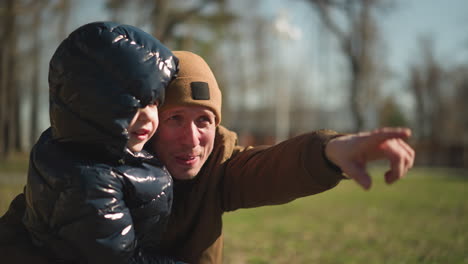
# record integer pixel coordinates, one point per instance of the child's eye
(155, 103)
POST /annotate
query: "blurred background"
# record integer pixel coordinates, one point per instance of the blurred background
(284, 66)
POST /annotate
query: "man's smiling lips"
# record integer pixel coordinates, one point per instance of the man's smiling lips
(187, 160)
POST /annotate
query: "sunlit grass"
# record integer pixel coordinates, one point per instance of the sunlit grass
(12, 178)
(7, 193)
(421, 219)
(16, 163)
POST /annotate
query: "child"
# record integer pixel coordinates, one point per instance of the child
(93, 195)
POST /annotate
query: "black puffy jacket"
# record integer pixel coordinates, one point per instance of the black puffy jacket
(88, 198)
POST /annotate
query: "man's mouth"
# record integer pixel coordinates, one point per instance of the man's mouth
(187, 160)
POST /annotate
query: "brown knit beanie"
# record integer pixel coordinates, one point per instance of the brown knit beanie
(195, 85)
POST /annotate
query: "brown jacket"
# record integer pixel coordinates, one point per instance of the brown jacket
(238, 177)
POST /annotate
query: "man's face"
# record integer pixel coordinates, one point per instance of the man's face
(185, 139)
(142, 127)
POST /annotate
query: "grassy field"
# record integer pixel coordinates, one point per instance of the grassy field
(421, 219)
(12, 179)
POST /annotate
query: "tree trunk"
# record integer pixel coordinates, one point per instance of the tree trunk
(357, 43)
(3, 29)
(12, 94)
(355, 104)
(8, 90)
(35, 80)
(64, 17)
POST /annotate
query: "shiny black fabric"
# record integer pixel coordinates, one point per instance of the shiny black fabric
(88, 198)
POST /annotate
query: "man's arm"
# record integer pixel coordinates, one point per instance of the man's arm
(310, 164)
(281, 173)
(353, 152)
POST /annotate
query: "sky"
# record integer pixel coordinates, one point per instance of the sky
(445, 20)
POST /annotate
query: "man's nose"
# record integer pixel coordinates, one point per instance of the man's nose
(190, 135)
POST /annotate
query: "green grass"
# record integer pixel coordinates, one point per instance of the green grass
(12, 178)
(420, 219)
(16, 163)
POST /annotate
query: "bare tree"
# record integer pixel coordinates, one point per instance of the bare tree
(116, 7)
(3, 94)
(456, 123)
(62, 9)
(165, 15)
(162, 16)
(36, 48)
(461, 97)
(22, 21)
(426, 80)
(416, 85)
(9, 114)
(164, 20)
(39, 10)
(390, 113)
(440, 94)
(358, 44)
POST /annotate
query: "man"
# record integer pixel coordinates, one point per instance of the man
(214, 175)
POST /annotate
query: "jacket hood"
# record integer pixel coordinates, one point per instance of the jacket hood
(98, 78)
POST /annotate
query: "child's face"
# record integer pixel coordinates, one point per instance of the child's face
(142, 127)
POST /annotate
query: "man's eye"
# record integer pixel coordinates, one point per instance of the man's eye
(175, 118)
(205, 120)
